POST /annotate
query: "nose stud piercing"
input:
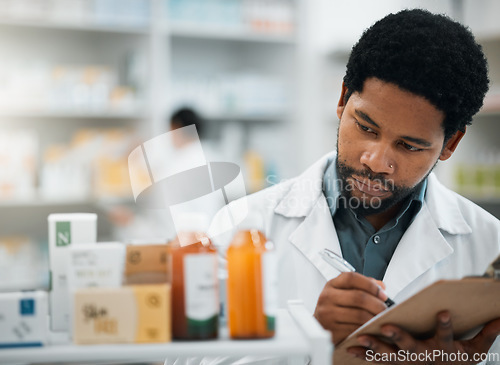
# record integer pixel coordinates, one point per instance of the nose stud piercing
(390, 166)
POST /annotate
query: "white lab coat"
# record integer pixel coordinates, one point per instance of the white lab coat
(450, 238)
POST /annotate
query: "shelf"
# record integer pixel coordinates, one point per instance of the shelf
(298, 335)
(245, 118)
(85, 27)
(47, 202)
(491, 104)
(226, 33)
(73, 114)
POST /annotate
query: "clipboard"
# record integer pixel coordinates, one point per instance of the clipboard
(472, 302)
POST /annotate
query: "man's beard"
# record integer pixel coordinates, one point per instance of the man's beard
(366, 206)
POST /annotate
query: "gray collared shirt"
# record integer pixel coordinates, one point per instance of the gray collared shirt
(368, 250)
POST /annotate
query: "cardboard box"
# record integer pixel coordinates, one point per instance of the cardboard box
(133, 314)
(23, 319)
(65, 230)
(147, 264)
(98, 265)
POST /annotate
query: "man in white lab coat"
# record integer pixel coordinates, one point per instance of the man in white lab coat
(413, 83)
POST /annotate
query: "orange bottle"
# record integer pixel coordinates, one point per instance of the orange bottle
(251, 283)
(195, 291)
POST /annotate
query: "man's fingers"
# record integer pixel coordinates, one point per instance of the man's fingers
(375, 345)
(342, 331)
(400, 338)
(483, 340)
(356, 298)
(357, 351)
(380, 283)
(353, 280)
(444, 332)
(352, 316)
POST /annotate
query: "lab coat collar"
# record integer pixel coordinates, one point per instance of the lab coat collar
(305, 191)
(316, 232)
(444, 209)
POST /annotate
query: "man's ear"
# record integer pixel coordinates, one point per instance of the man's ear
(451, 145)
(341, 104)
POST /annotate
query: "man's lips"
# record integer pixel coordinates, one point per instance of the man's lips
(369, 188)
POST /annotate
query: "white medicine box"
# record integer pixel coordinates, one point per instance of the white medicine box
(23, 319)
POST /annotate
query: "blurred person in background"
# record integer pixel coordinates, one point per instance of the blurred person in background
(134, 224)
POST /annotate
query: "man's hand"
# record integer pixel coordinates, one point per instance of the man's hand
(442, 342)
(347, 302)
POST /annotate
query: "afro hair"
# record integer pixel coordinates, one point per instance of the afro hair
(427, 54)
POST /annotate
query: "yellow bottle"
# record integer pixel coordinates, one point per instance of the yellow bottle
(251, 283)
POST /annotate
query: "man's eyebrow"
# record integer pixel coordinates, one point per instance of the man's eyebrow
(419, 141)
(366, 118)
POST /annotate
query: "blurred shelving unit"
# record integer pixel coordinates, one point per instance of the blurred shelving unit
(222, 33)
(68, 26)
(298, 338)
(237, 63)
(85, 81)
(74, 99)
(74, 114)
(474, 170)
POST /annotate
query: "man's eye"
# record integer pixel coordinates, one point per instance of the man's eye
(364, 128)
(410, 147)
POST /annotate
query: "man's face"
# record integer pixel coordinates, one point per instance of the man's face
(388, 141)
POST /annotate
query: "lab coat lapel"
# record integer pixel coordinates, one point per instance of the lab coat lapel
(420, 248)
(314, 234)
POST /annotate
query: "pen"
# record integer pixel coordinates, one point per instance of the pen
(343, 266)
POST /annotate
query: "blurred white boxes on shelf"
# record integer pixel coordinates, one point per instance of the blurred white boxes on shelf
(96, 265)
(108, 12)
(23, 264)
(121, 12)
(93, 165)
(65, 230)
(18, 156)
(243, 94)
(263, 16)
(23, 319)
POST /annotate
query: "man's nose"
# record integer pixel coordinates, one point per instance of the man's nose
(378, 159)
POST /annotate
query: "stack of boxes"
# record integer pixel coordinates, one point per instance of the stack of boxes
(105, 292)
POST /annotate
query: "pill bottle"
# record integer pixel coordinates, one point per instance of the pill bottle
(195, 287)
(251, 282)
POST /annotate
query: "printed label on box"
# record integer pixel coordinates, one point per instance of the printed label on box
(63, 233)
(27, 307)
